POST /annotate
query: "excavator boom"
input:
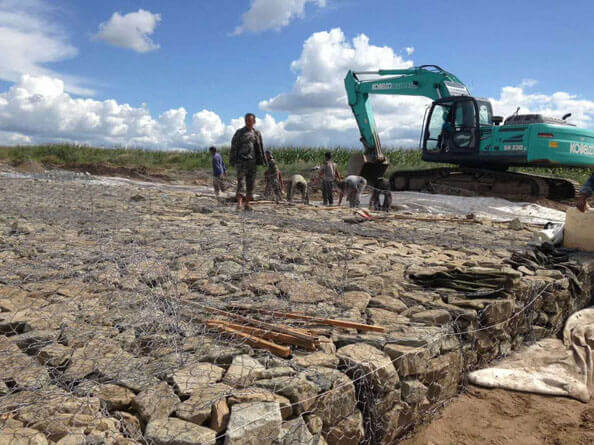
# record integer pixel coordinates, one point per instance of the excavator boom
(428, 80)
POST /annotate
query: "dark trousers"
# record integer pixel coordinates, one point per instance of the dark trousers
(328, 192)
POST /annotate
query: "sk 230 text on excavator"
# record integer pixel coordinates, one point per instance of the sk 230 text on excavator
(460, 129)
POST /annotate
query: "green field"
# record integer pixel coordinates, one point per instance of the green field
(290, 159)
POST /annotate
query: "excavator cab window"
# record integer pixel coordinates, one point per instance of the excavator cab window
(453, 125)
(485, 113)
(439, 122)
(463, 135)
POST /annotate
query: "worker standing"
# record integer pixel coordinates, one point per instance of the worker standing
(585, 193)
(219, 172)
(274, 179)
(329, 174)
(352, 186)
(247, 152)
(297, 182)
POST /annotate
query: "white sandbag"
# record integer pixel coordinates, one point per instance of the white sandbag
(578, 229)
(552, 233)
(550, 366)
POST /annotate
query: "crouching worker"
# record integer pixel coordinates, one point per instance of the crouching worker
(381, 197)
(351, 187)
(297, 183)
(274, 180)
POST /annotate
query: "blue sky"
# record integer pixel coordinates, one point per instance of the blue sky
(197, 61)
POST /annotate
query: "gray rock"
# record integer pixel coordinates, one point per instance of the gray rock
(355, 300)
(294, 432)
(113, 396)
(299, 390)
(516, 224)
(172, 431)
(25, 371)
(244, 371)
(198, 408)
(388, 303)
(314, 423)
(362, 358)
(16, 436)
(436, 317)
(305, 291)
(406, 359)
(249, 395)
(348, 431)
(256, 423)
(54, 355)
(156, 402)
(194, 376)
(386, 318)
(337, 399)
(219, 416)
(317, 358)
(413, 392)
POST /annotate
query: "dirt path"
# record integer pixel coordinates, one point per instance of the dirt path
(498, 417)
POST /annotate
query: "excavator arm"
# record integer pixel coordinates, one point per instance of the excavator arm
(428, 80)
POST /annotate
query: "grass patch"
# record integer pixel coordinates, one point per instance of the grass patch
(290, 159)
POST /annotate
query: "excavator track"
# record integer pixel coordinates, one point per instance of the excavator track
(467, 181)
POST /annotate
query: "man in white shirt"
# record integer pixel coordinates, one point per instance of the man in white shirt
(352, 186)
(297, 182)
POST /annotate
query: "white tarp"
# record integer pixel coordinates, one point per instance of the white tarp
(550, 366)
(493, 208)
(415, 202)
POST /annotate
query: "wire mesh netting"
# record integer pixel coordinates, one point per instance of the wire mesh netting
(135, 314)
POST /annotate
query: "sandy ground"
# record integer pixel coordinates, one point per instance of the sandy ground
(483, 416)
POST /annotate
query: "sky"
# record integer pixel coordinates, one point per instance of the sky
(181, 74)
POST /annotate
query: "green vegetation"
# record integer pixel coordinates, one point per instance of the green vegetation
(289, 159)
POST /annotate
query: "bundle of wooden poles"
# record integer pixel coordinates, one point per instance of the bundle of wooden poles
(275, 337)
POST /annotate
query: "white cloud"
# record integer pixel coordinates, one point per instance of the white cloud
(39, 109)
(131, 30)
(409, 50)
(528, 83)
(273, 14)
(29, 40)
(319, 114)
(555, 105)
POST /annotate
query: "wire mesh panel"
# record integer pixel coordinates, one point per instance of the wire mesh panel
(154, 314)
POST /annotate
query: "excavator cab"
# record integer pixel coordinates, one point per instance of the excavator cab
(452, 128)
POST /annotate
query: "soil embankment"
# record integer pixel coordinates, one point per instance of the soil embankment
(482, 416)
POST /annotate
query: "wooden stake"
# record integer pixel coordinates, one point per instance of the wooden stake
(268, 335)
(281, 351)
(322, 321)
(262, 324)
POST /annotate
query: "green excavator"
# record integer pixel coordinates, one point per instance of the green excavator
(460, 129)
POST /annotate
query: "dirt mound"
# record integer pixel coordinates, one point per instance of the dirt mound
(106, 169)
(507, 417)
(29, 166)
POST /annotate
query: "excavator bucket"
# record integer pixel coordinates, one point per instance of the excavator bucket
(362, 165)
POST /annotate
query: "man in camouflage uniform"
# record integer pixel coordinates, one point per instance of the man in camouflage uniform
(274, 180)
(247, 152)
(329, 174)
